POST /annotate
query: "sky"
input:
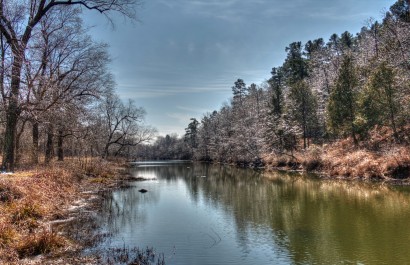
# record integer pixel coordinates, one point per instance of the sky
(181, 58)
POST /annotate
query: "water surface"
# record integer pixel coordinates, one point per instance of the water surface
(207, 214)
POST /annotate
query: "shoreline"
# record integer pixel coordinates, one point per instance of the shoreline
(54, 226)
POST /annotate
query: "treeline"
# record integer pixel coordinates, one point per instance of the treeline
(346, 87)
(58, 96)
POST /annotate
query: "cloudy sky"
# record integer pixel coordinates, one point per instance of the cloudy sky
(183, 56)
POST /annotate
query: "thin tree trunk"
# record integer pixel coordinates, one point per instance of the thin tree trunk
(355, 141)
(105, 153)
(304, 137)
(2, 66)
(35, 135)
(60, 151)
(49, 144)
(393, 123)
(18, 137)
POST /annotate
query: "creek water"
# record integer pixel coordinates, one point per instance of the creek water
(211, 214)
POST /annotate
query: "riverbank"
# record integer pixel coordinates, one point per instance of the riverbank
(41, 208)
(344, 160)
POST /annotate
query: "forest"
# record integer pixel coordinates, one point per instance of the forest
(58, 96)
(335, 105)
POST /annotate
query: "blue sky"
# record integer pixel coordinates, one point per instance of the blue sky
(183, 56)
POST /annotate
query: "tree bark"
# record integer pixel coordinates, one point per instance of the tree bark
(105, 153)
(60, 151)
(49, 144)
(18, 137)
(12, 115)
(35, 135)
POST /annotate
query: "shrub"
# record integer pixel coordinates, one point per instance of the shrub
(397, 164)
(312, 159)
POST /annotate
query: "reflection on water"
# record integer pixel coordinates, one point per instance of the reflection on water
(202, 214)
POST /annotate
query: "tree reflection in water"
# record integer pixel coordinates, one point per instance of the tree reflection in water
(280, 216)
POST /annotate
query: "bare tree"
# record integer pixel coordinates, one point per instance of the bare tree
(18, 20)
(66, 71)
(121, 125)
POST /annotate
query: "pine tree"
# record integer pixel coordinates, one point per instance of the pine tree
(303, 106)
(191, 134)
(380, 101)
(342, 106)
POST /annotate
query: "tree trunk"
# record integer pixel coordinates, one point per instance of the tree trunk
(9, 137)
(105, 153)
(12, 112)
(35, 134)
(18, 137)
(49, 144)
(60, 151)
(353, 132)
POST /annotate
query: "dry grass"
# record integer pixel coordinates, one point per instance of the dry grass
(282, 161)
(312, 159)
(397, 163)
(7, 234)
(40, 243)
(380, 158)
(31, 198)
(390, 162)
(8, 192)
(351, 163)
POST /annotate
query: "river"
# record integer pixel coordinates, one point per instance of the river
(212, 214)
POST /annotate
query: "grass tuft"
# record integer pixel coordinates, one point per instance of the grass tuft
(40, 243)
(8, 192)
(7, 234)
(27, 210)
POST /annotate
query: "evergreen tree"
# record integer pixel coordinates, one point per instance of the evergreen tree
(275, 107)
(276, 83)
(347, 41)
(380, 100)
(295, 66)
(342, 106)
(303, 109)
(239, 91)
(191, 133)
(401, 10)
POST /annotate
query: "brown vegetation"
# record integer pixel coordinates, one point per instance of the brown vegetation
(31, 201)
(378, 158)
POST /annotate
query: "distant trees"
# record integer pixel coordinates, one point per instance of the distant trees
(166, 147)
